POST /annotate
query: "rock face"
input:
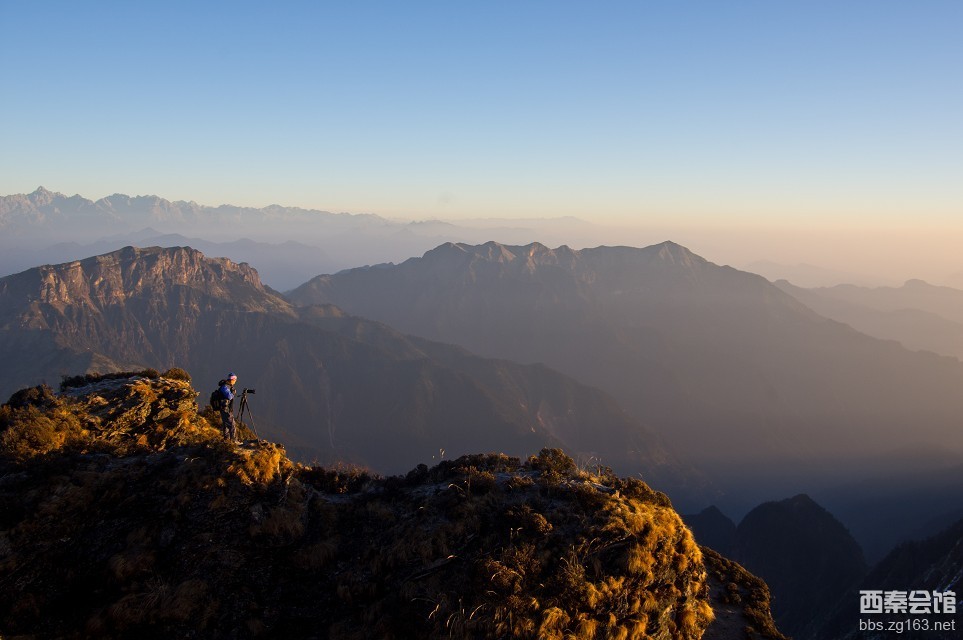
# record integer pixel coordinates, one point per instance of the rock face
(806, 556)
(331, 386)
(124, 512)
(740, 602)
(83, 305)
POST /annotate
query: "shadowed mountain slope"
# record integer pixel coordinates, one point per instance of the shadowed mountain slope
(730, 368)
(124, 512)
(933, 565)
(331, 386)
(807, 557)
(713, 529)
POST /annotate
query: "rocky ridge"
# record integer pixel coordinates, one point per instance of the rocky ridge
(123, 512)
(113, 278)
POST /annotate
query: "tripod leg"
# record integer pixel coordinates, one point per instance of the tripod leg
(246, 407)
(251, 416)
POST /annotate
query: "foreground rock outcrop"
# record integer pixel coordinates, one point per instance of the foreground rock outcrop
(123, 513)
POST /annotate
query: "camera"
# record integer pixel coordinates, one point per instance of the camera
(248, 391)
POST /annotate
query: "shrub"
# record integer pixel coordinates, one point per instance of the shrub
(39, 396)
(73, 382)
(259, 466)
(176, 373)
(553, 461)
(28, 432)
(342, 478)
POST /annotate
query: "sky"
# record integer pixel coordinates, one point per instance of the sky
(693, 117)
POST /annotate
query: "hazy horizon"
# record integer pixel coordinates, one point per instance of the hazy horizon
(874, 255)
(821, 133)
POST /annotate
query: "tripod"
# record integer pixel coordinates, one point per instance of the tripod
(246, 407)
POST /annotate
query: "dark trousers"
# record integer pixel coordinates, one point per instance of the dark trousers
(227, 424)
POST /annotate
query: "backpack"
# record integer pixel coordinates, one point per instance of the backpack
(217, 399)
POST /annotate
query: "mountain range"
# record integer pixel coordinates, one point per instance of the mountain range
(288, 244)
(732, 371)
(45, 211)
(918, 315)
(333, 387)
(808, 275)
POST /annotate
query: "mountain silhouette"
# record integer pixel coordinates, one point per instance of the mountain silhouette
(331, 386)
(125, 514)
(807, 557)
(713, 529)
(735, 373)
(933, 565)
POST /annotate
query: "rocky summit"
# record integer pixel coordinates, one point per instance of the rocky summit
(123, 513)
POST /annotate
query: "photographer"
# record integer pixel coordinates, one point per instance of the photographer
(226, 393)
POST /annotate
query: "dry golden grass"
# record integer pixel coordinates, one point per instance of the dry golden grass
(260, 465)
(189, 533)
(29, 432)
(553, 624)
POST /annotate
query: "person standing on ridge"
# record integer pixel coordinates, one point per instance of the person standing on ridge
(226, 391)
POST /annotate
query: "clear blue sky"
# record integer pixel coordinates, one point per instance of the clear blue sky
(716, 110)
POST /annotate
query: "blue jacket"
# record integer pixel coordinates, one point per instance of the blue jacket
(227, 393)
